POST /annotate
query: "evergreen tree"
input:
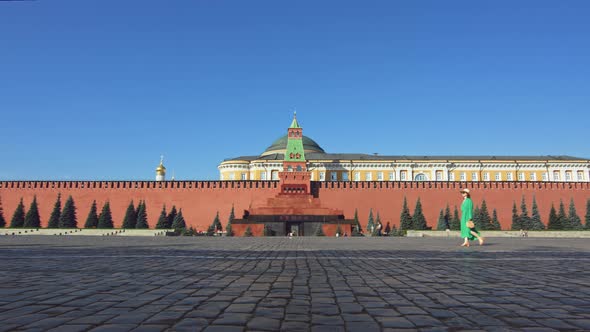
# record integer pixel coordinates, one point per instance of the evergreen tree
(573, 218)
(130, 220)
(32, 219)
(18, 218)
(179, 222)
(484, 216)
(211, 230)
(456, 222)
(228, 228)
(448, 220)
(477, 218)
(171, 216)
(387, 228)
(142, 219)
(562, 219)
(2, 220)
(587, 214)
(358, 230)
(524, 219)
(55, 214)
(371, 223)
(163, 219)
(217, 224)
(495, 223)
(378, 224)
(418, 219)
(319, 231)
(248, 232)
(394, 231)
(405, 218)
(516, 225)
(92, 219)
(553, 223)
(68, 215)
(105, 219)
(268, 231)
(536, 223)
(441, 224)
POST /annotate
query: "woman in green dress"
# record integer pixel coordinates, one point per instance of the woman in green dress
(467, 233)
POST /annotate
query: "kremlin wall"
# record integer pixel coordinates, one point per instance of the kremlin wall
(201, 200)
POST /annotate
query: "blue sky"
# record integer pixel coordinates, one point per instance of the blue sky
(98, 90)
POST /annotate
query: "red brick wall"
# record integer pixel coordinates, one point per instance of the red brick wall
(201, 200)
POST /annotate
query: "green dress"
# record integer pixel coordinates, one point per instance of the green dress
(466, 214)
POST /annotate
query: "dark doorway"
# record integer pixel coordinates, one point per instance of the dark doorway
(296, 228)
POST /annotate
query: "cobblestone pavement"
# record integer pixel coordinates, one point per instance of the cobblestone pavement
(299, 284)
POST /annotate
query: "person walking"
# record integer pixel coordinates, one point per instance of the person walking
(468, 233)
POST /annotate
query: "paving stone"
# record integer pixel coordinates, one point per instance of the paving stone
(264, 324)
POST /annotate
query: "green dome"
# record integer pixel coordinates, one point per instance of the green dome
(280, 145)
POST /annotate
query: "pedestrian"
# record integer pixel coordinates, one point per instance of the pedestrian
(467, 233)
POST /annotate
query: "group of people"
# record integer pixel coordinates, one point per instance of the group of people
(468, 230)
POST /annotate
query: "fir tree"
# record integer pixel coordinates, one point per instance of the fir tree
(358, 230)
(171, 216)
(248, 232)
(130, 220)
(495, 223)
(105, 219)
(562, 219)
(476, 217)
(587, 214)
(371, 223)
(536, 223)
(418, 219)
(55, 214)
(163, 219)
(217, 224)
(524, 219)
(179, 222)
(394, 231)
(142, 219)
(32, 219)
(211, 230)
(573, 218)
(456, 222)
(441, 224)
(405, 218)
(319, 231)
(268, 231)
(68, 215)
(2, 220)
(484, 216)
(18, 218)
(92, 219)
(516, 225)
(448, 220)
(553, 224)
(228, 229)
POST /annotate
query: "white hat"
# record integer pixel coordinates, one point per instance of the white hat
(465, 190)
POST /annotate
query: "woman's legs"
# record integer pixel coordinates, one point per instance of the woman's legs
(465, 242)
(479, 238)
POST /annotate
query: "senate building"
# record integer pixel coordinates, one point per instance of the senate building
(328, 166)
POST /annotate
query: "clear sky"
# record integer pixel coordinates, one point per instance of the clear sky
(99, 89)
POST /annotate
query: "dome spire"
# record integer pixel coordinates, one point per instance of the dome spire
(161, 170)
(295, 124)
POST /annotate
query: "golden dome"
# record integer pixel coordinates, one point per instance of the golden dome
(161, 170)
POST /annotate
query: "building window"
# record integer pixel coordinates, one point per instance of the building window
(334, 176)
(486, 176)
(545, 177)
(357, 176)
(420, 177)
(509, 176)
(368, 176)
(232, 176)
(474, 176)
(452, 177)
(520, 176)
(533, 176)
(402, 175)
(391, 176)
(289, 169)
(322, 176)
(345, 176)
(379, 176)
(498, 177)
(555, 175)
(438, 175)
(581, 177)
(568, 175)
(299, 168)
(463, 176)
(263, 176)
(244, 177)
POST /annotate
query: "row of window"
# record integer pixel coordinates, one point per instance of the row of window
(463, 176)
